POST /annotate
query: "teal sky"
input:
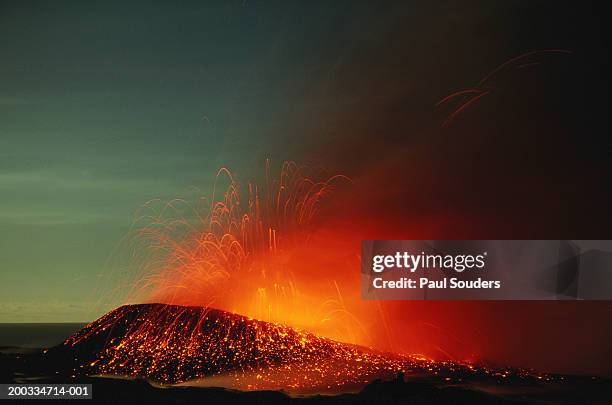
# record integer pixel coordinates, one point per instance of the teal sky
(105, 106)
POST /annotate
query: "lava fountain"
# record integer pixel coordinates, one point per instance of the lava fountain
(248, 250)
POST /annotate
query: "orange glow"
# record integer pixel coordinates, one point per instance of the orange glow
(206, 347)
(258, 288)
(254, 250)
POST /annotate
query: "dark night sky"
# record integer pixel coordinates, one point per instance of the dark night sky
(105, 106)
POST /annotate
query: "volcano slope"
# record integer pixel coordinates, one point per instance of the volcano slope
(169, 344)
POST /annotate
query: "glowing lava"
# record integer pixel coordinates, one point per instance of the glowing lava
(174, 344)
(248, 249)
(252, 252)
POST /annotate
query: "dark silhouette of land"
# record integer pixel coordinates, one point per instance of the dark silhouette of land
(75, 361)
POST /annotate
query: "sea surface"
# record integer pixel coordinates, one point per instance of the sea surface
(35, 335)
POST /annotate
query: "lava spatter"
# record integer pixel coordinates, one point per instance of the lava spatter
(172, 344)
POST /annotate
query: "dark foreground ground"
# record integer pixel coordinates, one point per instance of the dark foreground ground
(31, 366)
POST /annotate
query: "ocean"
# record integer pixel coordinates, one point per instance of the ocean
(35, 335)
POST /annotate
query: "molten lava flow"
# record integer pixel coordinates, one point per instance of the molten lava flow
(172, 344)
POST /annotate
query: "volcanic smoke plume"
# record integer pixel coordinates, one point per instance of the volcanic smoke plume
(174, 344)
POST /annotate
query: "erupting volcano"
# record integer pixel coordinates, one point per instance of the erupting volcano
(233, 295)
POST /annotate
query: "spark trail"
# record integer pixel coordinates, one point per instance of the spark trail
(241, 251)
